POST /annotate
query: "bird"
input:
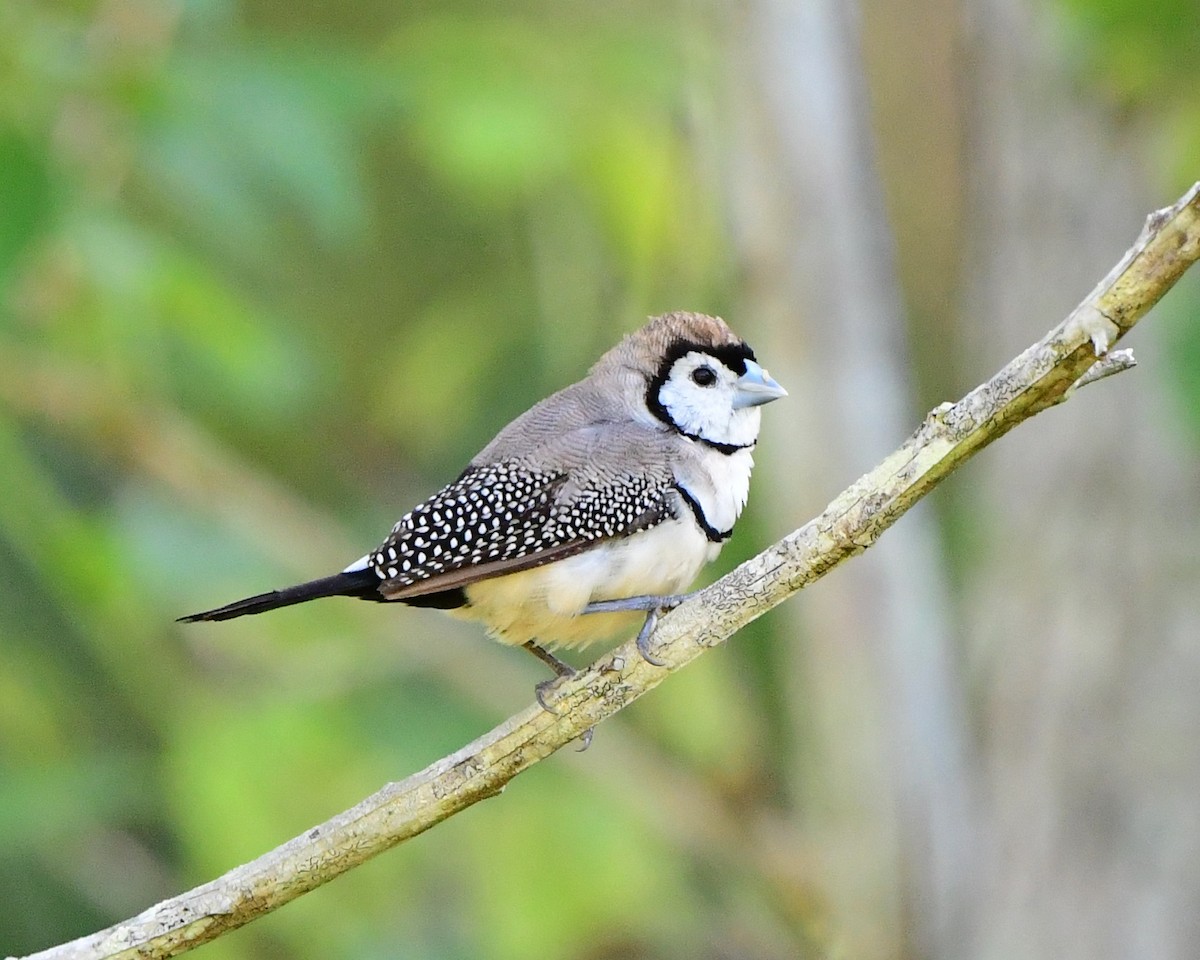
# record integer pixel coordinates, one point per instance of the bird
(593, 509)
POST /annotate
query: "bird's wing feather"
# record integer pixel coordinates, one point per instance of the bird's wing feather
(510, 515)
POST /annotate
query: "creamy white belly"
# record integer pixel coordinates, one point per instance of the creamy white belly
(544, 603)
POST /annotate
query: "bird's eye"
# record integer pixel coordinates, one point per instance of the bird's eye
(704, 376)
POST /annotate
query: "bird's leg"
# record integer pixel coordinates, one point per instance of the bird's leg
(654, 607)
(661, 603)
(561, 669)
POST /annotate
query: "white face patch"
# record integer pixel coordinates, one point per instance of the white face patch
(698, 396)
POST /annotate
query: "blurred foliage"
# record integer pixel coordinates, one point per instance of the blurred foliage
(266, 277)
(1143, 57)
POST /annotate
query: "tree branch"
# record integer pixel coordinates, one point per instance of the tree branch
(1042, 376)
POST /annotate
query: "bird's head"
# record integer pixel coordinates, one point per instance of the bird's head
(698, 377)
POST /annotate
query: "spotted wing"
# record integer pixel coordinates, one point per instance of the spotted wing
(503, 517)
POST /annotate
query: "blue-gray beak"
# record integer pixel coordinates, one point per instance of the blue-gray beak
(755, 386)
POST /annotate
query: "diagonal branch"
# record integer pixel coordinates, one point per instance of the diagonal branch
(1042, 376)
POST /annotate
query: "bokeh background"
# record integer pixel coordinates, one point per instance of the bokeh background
(271, 272)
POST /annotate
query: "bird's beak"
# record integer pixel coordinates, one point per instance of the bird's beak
(755, 386)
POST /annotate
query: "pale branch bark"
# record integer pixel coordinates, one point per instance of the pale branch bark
(1040, 377)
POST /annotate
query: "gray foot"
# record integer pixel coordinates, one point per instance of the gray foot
(654, 606)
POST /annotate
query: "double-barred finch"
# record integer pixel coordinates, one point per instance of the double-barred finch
(594, 507)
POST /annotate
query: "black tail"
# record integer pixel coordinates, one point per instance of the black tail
(360, 583)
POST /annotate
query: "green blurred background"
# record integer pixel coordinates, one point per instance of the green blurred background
(271, 272)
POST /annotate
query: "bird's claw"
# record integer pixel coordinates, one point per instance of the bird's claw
(643, 639)
(654, 606)
(541, 692)
(666, 605)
